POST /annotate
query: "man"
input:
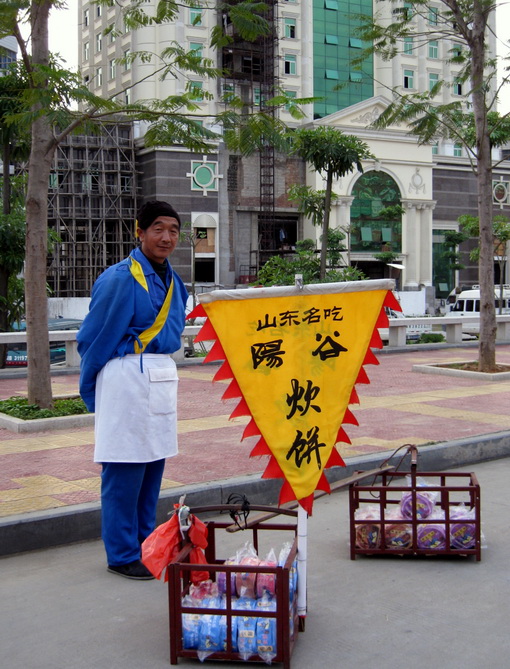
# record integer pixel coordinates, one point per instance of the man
(128, 378)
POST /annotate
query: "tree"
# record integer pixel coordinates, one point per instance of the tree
(281, 271)
(329, 151)
(12, 253)
(14, 147)
(464, 29)
(48, 111)
(500, 237)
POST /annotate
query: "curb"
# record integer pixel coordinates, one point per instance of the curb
(21, 426)
(56, 527)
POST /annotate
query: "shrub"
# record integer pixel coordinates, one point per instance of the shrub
(431, 338)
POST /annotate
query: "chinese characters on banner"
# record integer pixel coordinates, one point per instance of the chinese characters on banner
(295, 356)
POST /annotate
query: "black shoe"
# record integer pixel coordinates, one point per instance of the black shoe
(135, 570)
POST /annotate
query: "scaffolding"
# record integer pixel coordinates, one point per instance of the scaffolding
(91, 207)
(269, 81)
(252, 75)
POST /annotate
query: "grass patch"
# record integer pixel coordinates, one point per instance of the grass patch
(18, 407)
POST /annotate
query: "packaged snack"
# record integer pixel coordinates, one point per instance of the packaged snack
(213, 629)
(425, 500)
(398, 535)
(431, 536)
(246, 628)
(245, 580)
(462, 535)
(266, 582)
(293, 573)
(190, 625)
(266, 630)
(221, 578)
(368, 535)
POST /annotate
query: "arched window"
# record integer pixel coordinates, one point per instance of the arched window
(376, 214)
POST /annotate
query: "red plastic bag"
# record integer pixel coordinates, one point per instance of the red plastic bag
(162, 545)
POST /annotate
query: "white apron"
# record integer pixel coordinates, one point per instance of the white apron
(136, 413)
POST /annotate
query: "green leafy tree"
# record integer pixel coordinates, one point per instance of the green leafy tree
(281, 271)
(50, 97)
(14, 145)
(464, 29)
(12, 254)
(331, 152)
(470, 225)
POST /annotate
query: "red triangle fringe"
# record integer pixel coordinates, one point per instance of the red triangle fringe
(335, 460)
(362, 376)
(391, 302)
(241, 409)
(197, 312)
(207, 332)
(224, 373)
(376, 341)
(215, 353)
(260, 448)
(370, 358)
(251, 430)
(273, 470)
(342, 436)
(354, 399)
(350, 418)
(233, 391)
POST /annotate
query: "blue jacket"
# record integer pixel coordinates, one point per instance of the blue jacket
(121, 309)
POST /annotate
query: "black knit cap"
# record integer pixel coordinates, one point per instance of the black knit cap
(150, 211)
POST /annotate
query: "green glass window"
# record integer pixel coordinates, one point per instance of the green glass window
(290, 94)
(331, 4)
(195, 17)
(331, 39)
(196, 46)
(408, 79)
(408, 45)
(331, 74)
(289, 64)
(376, 221)
(433, 49)
(196, 89)
(457, 150)
(289, 26)
(433, 79)
(355, 76)
(355, 43)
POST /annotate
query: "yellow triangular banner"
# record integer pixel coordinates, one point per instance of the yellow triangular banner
(296, 355)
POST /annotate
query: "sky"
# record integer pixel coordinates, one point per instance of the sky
(64, 37)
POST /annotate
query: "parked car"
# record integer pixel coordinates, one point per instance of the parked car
(413, 332)
(17, 353)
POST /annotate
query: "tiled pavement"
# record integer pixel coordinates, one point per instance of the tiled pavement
(54, 469)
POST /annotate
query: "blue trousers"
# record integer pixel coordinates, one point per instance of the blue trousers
(129, 497)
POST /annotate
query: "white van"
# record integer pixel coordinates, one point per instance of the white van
(467, 303)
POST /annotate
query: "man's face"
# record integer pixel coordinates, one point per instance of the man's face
(160, 238)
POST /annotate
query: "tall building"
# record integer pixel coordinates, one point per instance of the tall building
(238, 208)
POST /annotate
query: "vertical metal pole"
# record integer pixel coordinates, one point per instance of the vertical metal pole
(302, 528)
(302, 541)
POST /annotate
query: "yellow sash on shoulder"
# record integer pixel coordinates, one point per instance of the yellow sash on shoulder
(148, 335)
